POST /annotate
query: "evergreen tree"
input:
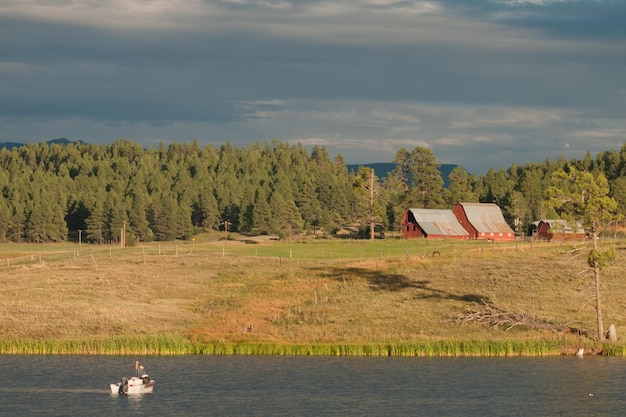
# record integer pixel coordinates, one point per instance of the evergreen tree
(184, 228)
(460, 188)
(205, 213)
(427, 184)
(532, 186)
(402, 171)
(44, 214)
(395, 192)
(5, 219)
(163, 216)
(138, 223)
(496, 186)
(262, 212)
(95, 221)
(115, 217)
(609, 163)
(227, 189)
(286, 220)
(5, 206)
(341, 199)
(618, 193)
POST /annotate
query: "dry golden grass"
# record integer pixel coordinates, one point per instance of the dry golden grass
(366, 292)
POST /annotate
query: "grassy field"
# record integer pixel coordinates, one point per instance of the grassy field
(389, 297)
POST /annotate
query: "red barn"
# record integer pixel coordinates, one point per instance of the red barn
(483, 221)
(557, 229)
(432, 224)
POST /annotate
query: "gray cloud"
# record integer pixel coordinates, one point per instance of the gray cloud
(484, 83)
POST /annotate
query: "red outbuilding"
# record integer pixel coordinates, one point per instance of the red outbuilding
(557, 230)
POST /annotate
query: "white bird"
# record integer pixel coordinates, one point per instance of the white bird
(580, 352)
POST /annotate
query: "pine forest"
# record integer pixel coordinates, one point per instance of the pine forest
(105, 193)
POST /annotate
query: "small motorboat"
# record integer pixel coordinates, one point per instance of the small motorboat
(138, 384)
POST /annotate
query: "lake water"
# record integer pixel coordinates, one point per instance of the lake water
(316, 386)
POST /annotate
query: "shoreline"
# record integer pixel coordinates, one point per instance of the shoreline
(166, 345)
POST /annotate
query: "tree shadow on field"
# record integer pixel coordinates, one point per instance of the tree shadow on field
(381, 281)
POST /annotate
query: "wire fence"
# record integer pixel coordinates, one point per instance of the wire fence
(277, 254)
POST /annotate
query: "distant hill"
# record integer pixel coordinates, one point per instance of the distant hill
(382, 169)
(59, 141)
(10, 145)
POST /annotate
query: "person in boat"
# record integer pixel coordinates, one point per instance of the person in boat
(143, 374)
(124, 386)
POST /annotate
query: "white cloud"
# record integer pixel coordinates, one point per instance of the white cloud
(490, 116)
(601, 133)
(127, 14)
(395, 117)
(341, 22)
(449, 142)
(533, 2)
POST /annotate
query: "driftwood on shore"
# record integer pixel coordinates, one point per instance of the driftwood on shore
(496, 317)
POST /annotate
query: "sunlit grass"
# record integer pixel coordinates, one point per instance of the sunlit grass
(316, 297)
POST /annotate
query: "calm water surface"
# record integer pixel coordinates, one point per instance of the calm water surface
(314, 386)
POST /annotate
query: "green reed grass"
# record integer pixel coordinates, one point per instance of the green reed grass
(176, 345)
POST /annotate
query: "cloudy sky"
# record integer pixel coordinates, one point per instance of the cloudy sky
(483, 83)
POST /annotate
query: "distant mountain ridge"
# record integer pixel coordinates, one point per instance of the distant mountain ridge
(382, 169)
(59, 141)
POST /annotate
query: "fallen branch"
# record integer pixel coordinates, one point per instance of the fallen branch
(496, 317)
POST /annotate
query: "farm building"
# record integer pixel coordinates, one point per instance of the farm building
(483, 221)
(556, 230)
(432, 224)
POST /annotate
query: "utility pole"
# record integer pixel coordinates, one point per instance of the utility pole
(225, 223)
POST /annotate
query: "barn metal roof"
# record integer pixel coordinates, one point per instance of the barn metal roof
(486, 217)
(438, 222)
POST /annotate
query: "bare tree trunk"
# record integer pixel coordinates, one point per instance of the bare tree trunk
(601, 336)
(371, 208)
(596, 273)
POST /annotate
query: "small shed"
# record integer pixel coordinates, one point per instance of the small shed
(432, 224)
(483, 221)
(557, 229)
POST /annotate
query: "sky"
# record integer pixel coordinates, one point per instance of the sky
(483, 83)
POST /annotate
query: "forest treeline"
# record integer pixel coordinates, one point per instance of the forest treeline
(54, 192)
